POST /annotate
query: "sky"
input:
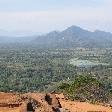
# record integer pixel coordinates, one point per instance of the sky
(46, 15)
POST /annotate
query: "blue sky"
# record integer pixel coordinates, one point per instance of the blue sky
(36, 5)
(46, 15)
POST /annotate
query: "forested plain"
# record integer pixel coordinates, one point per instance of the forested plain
(30, 69)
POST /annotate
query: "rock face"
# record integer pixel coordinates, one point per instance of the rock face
(30, 102)
(53, 101)
(50, 102)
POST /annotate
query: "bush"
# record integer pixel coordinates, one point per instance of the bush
(86, 88)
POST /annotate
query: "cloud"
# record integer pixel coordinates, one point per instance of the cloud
(46, 20)
(49, 20)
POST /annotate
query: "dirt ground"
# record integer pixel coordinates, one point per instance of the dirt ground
(66, 105)
(74, 106)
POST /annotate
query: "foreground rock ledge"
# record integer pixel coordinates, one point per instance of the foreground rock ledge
(50, 102)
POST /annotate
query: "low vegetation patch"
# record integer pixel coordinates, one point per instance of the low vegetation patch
(87, 88)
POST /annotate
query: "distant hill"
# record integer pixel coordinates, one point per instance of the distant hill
(71, 37)
(17, 36)
(75, 37)
(14, 39)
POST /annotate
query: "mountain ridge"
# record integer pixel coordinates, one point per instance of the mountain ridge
(75, 36)
(71, 37)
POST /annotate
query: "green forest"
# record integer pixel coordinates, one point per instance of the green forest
(31, 69)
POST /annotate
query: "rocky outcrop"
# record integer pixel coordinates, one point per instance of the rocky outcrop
(50, 102)
(34, 102)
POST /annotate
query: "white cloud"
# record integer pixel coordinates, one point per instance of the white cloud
(43, 21)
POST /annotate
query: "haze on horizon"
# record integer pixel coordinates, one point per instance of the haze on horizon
(42, 16)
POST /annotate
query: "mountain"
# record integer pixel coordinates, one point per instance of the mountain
(10, 39)
(71, 37)
(75, 36)
(17, 36)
